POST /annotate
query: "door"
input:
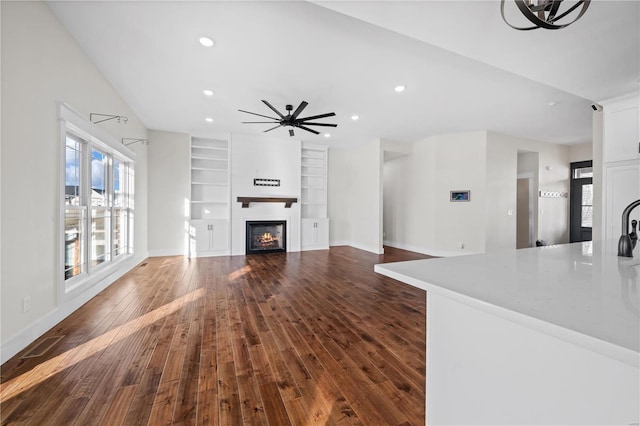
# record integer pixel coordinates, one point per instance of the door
(581, 202)
(523, 214)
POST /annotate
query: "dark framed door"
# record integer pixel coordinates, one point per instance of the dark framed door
(581, 202)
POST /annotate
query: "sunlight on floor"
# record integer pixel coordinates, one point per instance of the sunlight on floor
(65, 360)
(240, 272)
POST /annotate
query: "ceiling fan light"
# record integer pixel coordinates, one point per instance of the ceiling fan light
(545, 13)
(327, 135)
(355, 117)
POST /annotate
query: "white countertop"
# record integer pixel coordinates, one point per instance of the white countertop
(582, 293)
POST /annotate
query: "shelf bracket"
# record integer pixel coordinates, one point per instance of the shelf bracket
(120, 118)
(131, 141)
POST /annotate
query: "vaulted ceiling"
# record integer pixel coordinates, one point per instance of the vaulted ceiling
(464, 69)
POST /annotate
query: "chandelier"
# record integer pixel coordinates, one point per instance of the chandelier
(545, 13)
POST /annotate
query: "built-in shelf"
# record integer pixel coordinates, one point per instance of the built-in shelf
(210, 198)
(313, 185)
(286, 200)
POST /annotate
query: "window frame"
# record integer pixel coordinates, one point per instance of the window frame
(92, 138)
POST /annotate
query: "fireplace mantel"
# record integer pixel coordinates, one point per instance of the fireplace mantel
(286, 200)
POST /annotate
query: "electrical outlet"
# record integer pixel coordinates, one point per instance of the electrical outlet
(26, 304)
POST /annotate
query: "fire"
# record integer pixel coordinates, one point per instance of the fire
(267, 238)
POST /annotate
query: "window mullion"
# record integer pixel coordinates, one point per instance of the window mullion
(86, 201)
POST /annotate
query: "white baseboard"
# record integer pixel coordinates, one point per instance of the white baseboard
(31, 333)
(370, 249)
(429, 251)
(162, 253)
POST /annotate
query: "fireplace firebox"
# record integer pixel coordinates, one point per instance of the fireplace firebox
(266, 236)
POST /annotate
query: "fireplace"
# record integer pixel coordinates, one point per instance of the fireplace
(266, 236)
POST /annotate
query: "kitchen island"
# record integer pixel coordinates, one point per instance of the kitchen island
(547, 335)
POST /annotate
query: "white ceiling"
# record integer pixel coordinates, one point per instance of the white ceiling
(464, 69)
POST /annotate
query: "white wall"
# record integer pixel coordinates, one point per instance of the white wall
(267, 158)
(339, 171)
(41, 66)
(581, 152)
(598, 168)
(419, 215)
(169, 193)
(460, 164)
(502, 194)
(355, 196)
(553, 175)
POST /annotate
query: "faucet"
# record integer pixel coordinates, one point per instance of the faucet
(625, 246)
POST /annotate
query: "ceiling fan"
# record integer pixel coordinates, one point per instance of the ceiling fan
(291, 120)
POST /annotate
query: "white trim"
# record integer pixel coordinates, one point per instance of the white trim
(168, 252)
(70, 121)
(371, 249)
(429, 251)
(533, 205)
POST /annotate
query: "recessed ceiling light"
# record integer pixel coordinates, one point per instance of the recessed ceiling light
(399, 88)
(327, 135)
(208, 92)
(209, 120)
(552, 103)
(206, 41)
(355, 117)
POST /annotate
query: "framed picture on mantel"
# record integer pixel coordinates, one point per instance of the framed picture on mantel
(457, 196)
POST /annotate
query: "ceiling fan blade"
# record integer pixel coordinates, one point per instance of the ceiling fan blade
(272, 108)
(320, 124)
(260, 115)
(329, 114)
(259, 122)
(298, 110)
(308, 129)
(290, 132)
(273, 128)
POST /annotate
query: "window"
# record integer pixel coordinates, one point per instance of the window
(583, 172)
(587, 206)
(97, 204)
(75, 211)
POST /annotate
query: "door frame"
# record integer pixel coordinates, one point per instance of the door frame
(531, 176)
(575, 202)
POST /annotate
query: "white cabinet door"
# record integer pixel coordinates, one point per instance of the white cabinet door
(198, 237)
(219, 236)
(209, 238)
(314, 234)
(622, 186)
(322, 233)
(621, 139)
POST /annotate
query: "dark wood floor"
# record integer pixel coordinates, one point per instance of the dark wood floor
(311, 338)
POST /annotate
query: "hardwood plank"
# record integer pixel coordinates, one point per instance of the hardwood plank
(230, 411)
(274, 407)
(284, 338)
(119, 406)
